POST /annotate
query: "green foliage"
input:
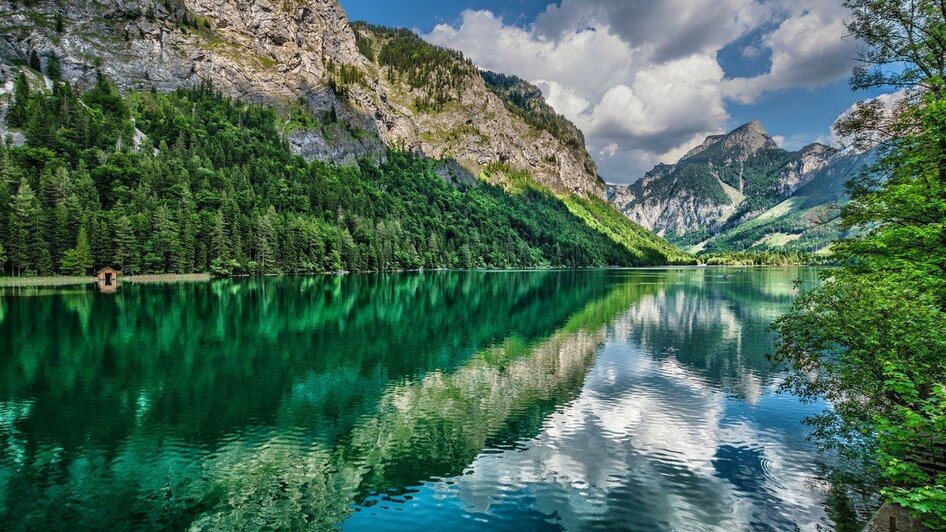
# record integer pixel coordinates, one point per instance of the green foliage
(871, 340)
(600, 215)
(764, 258)
(693, 180)
(365, 45)
(342, 77)
(440, 74)
(213, 187)
(78, 260)
(53, 69)
(16, 116)
(911, 35)
(34, 61)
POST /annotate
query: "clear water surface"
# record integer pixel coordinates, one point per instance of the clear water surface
(557, 400)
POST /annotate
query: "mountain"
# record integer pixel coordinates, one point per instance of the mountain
(741, 191)
(275, 136)
(388, 88)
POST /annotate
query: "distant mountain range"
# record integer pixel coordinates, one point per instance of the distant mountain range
(741, 191)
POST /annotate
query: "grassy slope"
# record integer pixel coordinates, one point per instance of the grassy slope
(600, 216)
(788, 226)
(605, 218)
(408, 55)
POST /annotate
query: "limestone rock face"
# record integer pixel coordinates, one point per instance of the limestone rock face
(798, 172)
(724, 182)
(287, 53)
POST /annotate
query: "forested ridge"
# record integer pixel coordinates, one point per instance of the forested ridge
(193, 181)
(439, 72)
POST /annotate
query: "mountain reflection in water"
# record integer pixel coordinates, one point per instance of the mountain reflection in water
(630, 399)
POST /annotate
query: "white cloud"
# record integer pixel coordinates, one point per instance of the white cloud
(641, 78)
(808, 50)
(888, 103)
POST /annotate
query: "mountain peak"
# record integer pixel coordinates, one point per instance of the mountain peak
(746, 140)
(754, 126)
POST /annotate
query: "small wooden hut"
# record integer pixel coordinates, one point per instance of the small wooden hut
(108, 276)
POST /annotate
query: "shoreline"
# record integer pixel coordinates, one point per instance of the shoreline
(63, 281)
(55, 281)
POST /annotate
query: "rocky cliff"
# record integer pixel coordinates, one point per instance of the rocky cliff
(735, 181)
(298, 55)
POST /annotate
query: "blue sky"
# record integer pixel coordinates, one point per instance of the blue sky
(423, 15)
(647, 79)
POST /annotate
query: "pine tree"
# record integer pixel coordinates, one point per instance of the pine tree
(53, 68)
(185, 252)
(3, 258)
(16, 117)
(35, 63)
(26, 245)
(6, 190)
(84, 187)
(125, 245)
(101, 237)
(165, 240)
(40, 127)
(265, 240)
(78, 260)
(219, 245)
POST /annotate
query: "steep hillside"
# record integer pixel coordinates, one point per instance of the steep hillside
(94, 91)
(445, 110)
(741, 191)
(193, 181)
(526, 100)
(806, 220)
(291, 53)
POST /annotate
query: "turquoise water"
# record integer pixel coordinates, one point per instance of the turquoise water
(575, 400)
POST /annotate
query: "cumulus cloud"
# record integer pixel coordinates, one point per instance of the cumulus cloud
(808, 50)
(642, 78)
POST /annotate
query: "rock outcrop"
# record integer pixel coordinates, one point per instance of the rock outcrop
(727, 181)
(289, 53)
(803, 167)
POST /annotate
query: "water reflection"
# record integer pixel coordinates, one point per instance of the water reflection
(631, 399)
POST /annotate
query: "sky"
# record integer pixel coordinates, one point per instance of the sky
(646, 80)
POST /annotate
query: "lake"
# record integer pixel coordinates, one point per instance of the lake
(552, 400)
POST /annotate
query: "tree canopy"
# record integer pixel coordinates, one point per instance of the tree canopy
(872, 338)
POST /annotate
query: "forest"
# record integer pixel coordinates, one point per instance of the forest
(763, 258)
(192, 181)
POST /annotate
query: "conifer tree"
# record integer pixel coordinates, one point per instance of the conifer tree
(125, 245)
(35, 63)
(78, 260)
(53, 68)
(16, 117)
(265, 240)
(26, 245)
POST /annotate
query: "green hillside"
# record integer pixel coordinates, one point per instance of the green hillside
(193, 181)
(805, 222)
